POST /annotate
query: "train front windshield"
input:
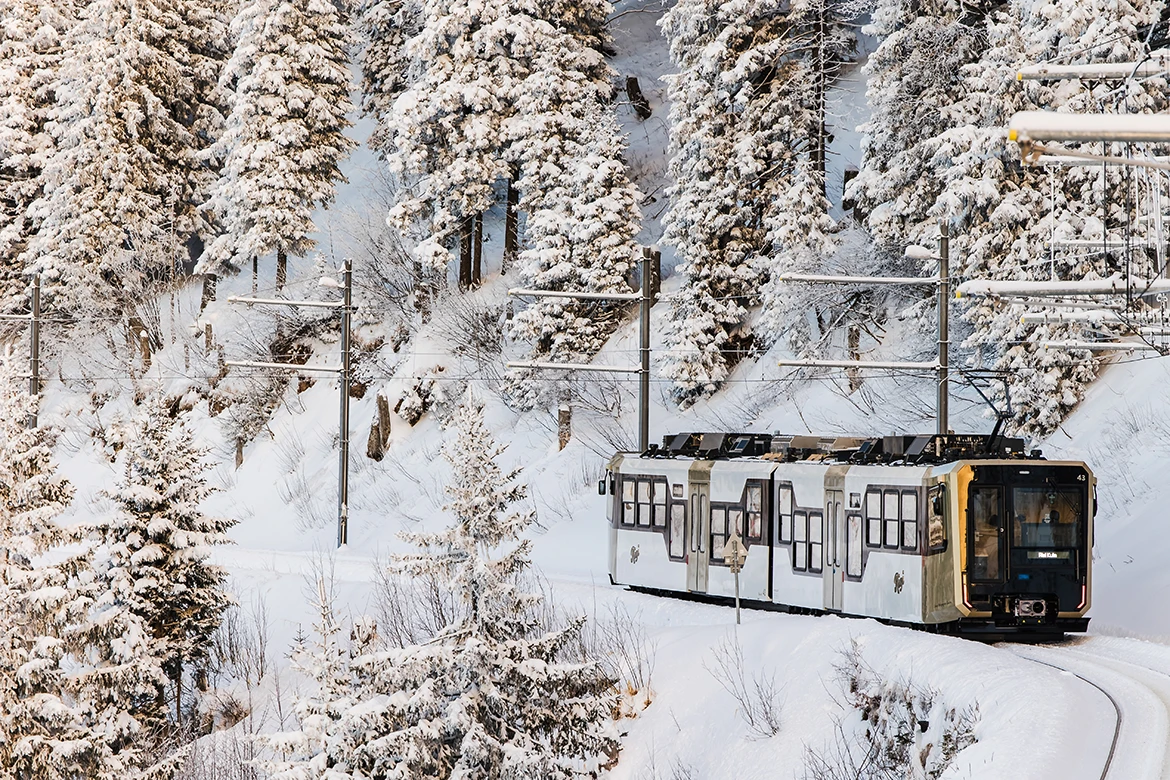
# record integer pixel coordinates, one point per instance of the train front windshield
(1046, 518)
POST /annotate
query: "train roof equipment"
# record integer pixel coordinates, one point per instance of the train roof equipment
(909, 449)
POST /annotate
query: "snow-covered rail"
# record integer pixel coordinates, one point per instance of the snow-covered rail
(1130, 675)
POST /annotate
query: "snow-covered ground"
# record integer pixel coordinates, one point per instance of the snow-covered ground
(1035, 721)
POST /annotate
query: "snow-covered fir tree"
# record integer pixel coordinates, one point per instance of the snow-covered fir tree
(113, 210)
(911, 81)
(1003, 215)
(385, 27)
(166, 540)
(30, 52)
(492, 695)
(444, 133)
(78, 673)
(284, 140)
(582, 210)
(497, 82)
(327, 661)
(33, 495)
(747, 122)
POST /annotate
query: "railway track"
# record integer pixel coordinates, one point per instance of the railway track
(1129, 675)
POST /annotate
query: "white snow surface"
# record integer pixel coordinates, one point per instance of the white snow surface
(1035, 721)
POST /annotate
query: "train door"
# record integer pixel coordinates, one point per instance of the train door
(986, 534)
(834, 531)
(699, 527)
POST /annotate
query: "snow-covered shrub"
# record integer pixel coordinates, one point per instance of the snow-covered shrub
(758, 698)
(472, 325)
(617, 640)
(904, 730)
(418, 400)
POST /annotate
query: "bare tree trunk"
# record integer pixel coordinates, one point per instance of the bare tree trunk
(511, 226)
(179, 698)
(209, 284)
(281, 268)
(465, 252)
(255, 274)
(477, 255)
(854, 335)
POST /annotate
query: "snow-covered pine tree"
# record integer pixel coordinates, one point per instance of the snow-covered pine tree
(1003, 215)
(327, 662)
(112, 210)
(78, 677)
(284, 140)
(490, 696)
(30, 52)
(583, 216)
(445, 132)
(204, 49)
(911, 81)
(385, 26)
(166, 540)
(32, 494)
(496, 81)
(746, 124)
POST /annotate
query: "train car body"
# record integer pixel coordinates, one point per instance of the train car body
(956, 534)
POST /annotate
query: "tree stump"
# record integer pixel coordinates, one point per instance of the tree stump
(564, 425)
(637, 99)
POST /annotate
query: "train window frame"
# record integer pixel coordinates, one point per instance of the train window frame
(936, 498)
(873, 504)
(819, 524)
(724, 534)
(659, 487)
(909, 524)
(629, 508)
(757, 486)
(854, 545)
(800, 546)
(648, 484)
(891, 523)
(784, 519)
(682, 533)
(735, 515)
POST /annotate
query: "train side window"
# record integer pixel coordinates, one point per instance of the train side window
(643, 503)
(676, 491)
(815, 539)
(784, 514)
(800, 541)
(909, 520)
(873, 518)
(678, 522)
(718, 531)
(755, 512)
(735, 522)
(936, 528)
(853, 546)
(629, 485)
(890, 515)
(658, 496)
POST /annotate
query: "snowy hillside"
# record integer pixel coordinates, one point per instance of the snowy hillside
(693, 709)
